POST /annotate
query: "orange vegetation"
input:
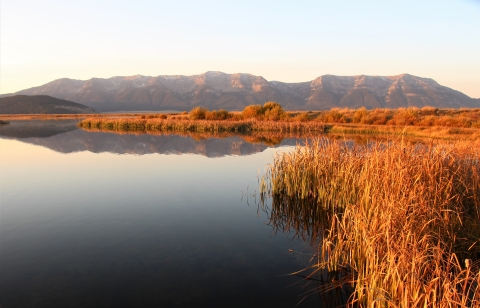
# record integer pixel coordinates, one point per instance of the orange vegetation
(397, 222)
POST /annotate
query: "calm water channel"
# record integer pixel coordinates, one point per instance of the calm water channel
(91, 219)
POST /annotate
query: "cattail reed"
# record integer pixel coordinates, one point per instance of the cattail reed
(399, 220)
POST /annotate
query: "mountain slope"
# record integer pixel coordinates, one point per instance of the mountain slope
(40, 104)
(234, 91)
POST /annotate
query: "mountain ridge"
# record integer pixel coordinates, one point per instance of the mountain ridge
(215, 90)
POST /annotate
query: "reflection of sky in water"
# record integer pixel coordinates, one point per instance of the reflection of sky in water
(149, 230)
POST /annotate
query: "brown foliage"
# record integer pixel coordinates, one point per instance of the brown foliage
(396, 221)
(426, 116)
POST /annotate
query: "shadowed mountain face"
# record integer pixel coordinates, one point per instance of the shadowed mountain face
(65, 137)
(40, 104)
(216, 90)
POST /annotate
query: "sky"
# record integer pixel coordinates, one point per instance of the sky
(290, 41)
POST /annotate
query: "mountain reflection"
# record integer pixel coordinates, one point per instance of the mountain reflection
(65, 137)
(37, 128)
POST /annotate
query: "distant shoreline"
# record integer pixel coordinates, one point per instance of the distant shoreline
(428, 122)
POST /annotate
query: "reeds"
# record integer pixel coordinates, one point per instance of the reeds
(414, 131)
(169, 125)
(398, 222)
(412, 116)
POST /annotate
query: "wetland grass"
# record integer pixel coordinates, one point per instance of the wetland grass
(425, 122)
(186, 125)
(397, 222)
(438, 132)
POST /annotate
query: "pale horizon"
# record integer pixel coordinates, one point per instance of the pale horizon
(280, 41)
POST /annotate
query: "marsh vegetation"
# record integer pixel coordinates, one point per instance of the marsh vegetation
(424, 122)
(397, 222)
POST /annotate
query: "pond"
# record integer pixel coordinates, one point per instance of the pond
(92, 219)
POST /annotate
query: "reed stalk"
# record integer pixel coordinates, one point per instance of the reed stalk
(395, 220)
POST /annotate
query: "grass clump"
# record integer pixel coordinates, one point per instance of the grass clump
(396, 221)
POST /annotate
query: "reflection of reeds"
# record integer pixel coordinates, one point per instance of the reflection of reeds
(401, 221)
(168, 125)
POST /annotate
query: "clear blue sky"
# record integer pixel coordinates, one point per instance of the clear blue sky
(290, 41)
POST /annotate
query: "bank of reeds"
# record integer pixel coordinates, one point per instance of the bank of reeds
(412, 116)
(398, 222)
(173, 125)
(415, 131)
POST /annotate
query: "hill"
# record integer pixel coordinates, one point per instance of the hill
(216, 90)
(40, 104)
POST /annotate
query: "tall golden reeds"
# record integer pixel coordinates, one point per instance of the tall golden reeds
(399, 222)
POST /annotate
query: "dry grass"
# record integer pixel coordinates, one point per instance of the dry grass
(185, 125)
(426, 116)
(416, 131)
(398, 222)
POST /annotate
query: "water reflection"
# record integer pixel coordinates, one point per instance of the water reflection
(37, 128)
(304, 219)
(65, 137)
(94, 229)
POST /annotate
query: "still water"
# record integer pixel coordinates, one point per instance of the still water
(91, 219)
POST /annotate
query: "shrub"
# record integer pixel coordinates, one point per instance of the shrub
(237, 117)
(252, 111)
(359, 115)
(404, 116)
(273, 111)
(301, 117)
(221, 114)
(198, 113)
(332, 116)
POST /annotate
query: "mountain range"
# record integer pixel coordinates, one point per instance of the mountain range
(216, 90)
